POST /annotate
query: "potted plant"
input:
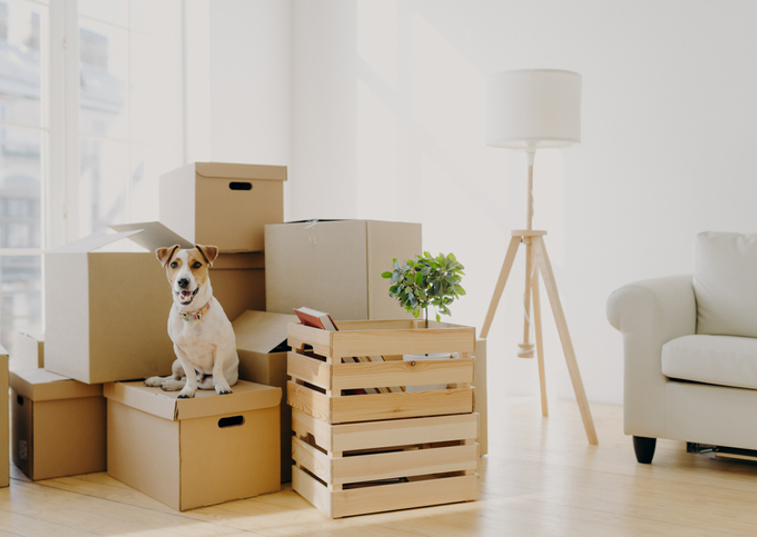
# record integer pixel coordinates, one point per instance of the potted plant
(426, 281)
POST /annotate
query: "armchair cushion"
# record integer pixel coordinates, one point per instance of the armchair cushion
(725, 283)
(720, 360)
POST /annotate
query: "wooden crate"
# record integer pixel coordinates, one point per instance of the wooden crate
(361, 443)
(359, 468)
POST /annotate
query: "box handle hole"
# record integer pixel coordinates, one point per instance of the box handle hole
(20, 400)
(231, 421)
(238, 185)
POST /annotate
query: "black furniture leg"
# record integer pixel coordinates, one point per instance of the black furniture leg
(644, 448)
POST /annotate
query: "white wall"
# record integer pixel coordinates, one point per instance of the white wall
(238, 81)
(388, 115)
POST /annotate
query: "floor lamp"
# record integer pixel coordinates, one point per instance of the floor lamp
(527, 110)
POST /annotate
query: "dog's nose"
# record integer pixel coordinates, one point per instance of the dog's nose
(183, 283)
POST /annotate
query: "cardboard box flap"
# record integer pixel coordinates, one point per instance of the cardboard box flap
(166, 405)
(222, 170)
(152, 235)
(42, 385)
(92, 242)
(261, 331)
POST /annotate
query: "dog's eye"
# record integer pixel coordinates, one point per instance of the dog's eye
(197, 265)
(174, 265)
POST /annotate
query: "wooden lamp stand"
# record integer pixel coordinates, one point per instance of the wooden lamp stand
(537, 261)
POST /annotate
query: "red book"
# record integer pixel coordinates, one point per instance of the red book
(315, 318)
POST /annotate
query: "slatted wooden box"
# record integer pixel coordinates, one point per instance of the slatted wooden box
(356, 451)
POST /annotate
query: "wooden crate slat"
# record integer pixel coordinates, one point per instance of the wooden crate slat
(381, 434)
(400, 405)
(310, 370)
(306, 456)
(402, 496)
(298, 336)
(418, 341)
(395, 373)
(303, 424)
(309, 401)
(373, 467)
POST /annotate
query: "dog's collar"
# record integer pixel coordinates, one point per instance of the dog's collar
(196, 315)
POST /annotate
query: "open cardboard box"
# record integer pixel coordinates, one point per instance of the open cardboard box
(261, 345)
(107, 308)
(58, 425)
(189, 453)
(335, 266)
(223, 204)
(28, 350)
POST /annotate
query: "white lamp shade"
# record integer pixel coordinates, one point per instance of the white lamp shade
(533, 109)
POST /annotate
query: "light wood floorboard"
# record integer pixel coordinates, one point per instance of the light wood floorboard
(541, 478)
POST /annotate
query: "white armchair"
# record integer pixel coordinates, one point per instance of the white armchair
(690, 349)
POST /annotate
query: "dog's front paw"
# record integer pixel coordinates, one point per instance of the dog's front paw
(223, 390)
(154, 382)
(186, 394)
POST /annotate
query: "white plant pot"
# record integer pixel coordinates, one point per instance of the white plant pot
(423, 357)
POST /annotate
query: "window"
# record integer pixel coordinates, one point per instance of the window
(91, 114)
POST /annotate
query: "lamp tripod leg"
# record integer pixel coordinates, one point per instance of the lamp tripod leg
(503, 275)
(545, 267)
(539, 343)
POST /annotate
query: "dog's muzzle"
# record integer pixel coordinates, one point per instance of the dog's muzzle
(186, 296)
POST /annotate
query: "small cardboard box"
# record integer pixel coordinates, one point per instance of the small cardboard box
(335, 266)
(189, 453)
(261, 345)
(107, 310)
(28, 350)
(58, 425)
(223, 204)
(4, 425)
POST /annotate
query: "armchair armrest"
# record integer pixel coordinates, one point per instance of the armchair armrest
(649, 313)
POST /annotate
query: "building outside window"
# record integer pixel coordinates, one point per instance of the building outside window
(121, 98)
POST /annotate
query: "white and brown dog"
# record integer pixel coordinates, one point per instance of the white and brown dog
(202, 336)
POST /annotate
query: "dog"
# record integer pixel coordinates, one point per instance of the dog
(202, 335)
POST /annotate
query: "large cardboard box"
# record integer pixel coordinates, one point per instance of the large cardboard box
(58, 425)
(261, 345)
(28, 350)
(223, 204)
(189, 453)
(335, 266)
(4, 425)
(107, 309)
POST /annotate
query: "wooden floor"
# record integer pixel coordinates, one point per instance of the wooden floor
(541, 478)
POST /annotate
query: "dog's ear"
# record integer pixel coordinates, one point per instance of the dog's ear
(208, 252)
(164, 255)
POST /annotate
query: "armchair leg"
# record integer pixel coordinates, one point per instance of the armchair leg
(644, 448)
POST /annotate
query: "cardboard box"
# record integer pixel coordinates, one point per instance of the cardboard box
(4, 425)
(261, 345)
(223, 204)
(107, 310)
(189, 453)
(28, 350)
(58, 425)
(335, 266)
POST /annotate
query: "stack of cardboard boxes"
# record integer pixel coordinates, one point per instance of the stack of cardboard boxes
(107, 307)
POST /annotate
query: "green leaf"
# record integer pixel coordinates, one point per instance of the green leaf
(387, 274)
